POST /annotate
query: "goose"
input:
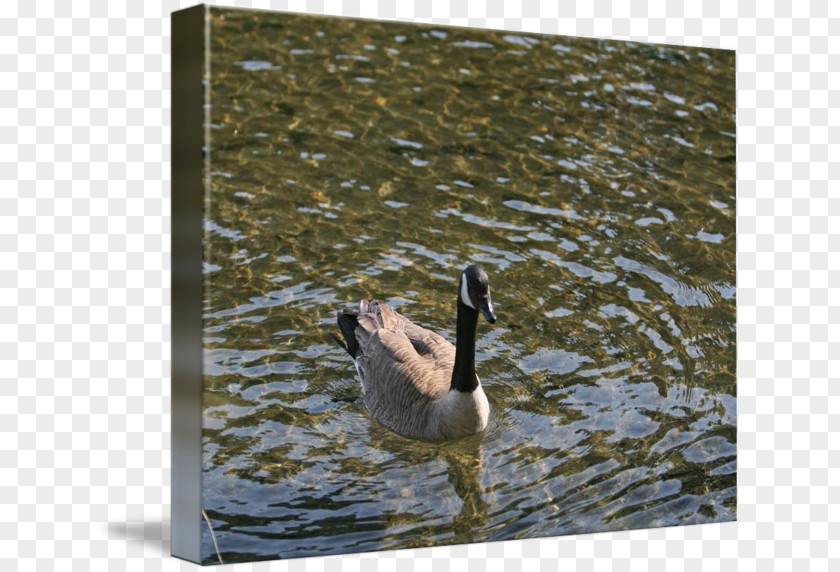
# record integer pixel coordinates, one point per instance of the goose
(414, 381)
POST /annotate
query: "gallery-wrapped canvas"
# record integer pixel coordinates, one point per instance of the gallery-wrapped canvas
(436, 285)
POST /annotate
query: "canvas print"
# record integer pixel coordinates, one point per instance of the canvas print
(460, 286)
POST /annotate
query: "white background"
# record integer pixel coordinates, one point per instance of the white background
(85, 274)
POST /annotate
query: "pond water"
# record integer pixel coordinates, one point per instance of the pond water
(593, 180)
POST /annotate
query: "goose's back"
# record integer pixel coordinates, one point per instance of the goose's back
(406, 372)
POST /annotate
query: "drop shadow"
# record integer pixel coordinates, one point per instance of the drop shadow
(142, 535)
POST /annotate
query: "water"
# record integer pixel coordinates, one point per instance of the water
(593, 180)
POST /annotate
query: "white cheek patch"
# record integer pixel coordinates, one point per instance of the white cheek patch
(465, 296)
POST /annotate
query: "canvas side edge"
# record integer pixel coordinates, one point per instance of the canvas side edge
(187, 195)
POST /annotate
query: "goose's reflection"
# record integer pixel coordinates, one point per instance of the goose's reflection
(464, 469)
(463, 514)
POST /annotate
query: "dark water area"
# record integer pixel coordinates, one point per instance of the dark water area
(593, 180)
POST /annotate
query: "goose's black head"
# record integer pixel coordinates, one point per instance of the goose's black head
(474, 291)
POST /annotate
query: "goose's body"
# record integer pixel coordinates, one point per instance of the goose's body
(415, 382)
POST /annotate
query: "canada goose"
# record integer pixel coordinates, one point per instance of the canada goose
(415, 382)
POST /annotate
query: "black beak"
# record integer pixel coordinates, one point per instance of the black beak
(486, 307)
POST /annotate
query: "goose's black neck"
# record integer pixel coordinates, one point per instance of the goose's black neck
(463, 376)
